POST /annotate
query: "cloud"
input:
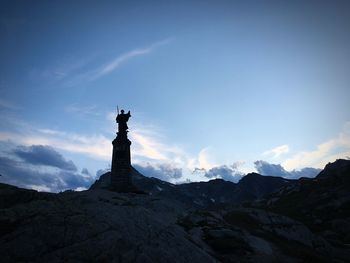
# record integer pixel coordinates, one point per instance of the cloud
(28, 172)
(277, 151)
(336, 148)
(72, 71)
(85, 172)
(147, 143)
(123, 58)
(164, 171)
(148, 146)
(96, 146)
(113, 64)
(265, 168)
(44, 155)
(225, 172)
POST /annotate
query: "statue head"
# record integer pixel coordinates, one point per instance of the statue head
(122, 111)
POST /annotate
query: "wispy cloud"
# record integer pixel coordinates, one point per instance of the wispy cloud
(335, 148)
(202, 161)
(70, 71)
(277, 151)
(123, 58)
(113, 64)
(149, 145)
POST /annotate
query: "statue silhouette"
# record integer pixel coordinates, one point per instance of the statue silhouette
(122, 119)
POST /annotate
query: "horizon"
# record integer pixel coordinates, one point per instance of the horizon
(216, 89)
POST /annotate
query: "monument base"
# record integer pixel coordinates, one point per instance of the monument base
(121, 165)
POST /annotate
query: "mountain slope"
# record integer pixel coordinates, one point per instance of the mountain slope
(322, 203)
(104, 226)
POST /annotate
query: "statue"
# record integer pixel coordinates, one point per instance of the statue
(122, 119)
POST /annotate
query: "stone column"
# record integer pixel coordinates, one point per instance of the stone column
(121, 164)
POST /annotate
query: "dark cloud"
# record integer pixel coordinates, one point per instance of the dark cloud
(85, 171)
(75, 180)
(225, 172)
(165, 172)
(265, 168)
(44, 155)
(33, 175)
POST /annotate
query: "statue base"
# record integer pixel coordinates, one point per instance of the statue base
(121, 180)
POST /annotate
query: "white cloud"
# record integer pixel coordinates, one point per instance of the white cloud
(123, 58)
(111, 66)
(203, 160)
(146, 146)
(329, 151)
(277, 151)
(115, 63)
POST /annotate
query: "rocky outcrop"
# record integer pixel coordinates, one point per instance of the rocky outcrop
(98, 226)
(254, 235)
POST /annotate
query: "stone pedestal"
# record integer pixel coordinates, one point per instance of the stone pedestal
(121, 165)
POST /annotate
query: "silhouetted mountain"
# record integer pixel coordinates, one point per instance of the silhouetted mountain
(259, 186)
(304, 220)
(340, 168)
(203, 194)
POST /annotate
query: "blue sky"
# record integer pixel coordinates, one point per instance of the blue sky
(227, 87)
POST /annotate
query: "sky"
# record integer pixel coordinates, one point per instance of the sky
(216, 89)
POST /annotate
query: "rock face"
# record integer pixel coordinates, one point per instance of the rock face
(301, 222)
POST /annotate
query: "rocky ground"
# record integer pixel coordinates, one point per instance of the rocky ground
(98, 225)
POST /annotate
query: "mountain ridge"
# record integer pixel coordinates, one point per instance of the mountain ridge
(178, 224)
(250, 187)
